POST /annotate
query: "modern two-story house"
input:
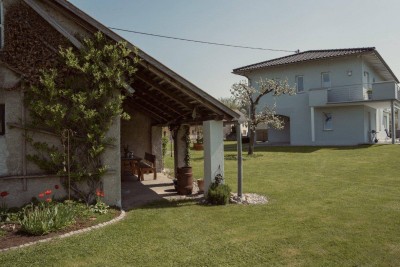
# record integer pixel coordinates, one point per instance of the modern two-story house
(344, 97)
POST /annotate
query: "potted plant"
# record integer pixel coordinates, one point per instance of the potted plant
(185, 175)
(369, 93)
(200, 184)
(199, 141)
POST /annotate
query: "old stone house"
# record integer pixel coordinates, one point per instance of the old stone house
(30, 33)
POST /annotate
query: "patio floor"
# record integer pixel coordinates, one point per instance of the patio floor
(138, 193)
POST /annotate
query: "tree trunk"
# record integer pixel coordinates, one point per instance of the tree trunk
(251, 142)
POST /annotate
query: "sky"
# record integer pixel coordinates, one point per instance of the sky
(275, 24)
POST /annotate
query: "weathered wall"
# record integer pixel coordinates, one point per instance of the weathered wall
(27, 51)
(136, 133)
(156, 146)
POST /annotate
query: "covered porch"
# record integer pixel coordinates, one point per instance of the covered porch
(162, 99)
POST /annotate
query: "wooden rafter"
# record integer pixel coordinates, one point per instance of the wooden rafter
(166, 93)
(155, 103)
(159, 119)
(155, 107)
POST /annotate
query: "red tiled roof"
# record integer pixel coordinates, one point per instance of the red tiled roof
(304, 56)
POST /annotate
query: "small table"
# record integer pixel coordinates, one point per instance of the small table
(129, 164)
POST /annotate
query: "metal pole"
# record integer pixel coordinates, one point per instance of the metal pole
(69, 173)
(240, 160)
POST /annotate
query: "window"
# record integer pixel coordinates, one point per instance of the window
(300, 83)
(325, 80)
(328, 121)
(1, 25)
(2, 120)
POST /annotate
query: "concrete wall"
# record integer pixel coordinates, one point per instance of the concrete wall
(280, 136)
(13, 148)
(136, 133)
(345, 131)
(311, 71)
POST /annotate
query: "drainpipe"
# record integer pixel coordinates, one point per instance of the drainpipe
(240, 160)
(393, 122)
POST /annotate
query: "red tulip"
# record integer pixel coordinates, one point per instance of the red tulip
(41, 195)
(4, 194)
(48, 192)
(56, 186)
(48, 199)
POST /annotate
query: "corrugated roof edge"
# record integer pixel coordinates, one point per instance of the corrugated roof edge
(79, 13)
(241, 70)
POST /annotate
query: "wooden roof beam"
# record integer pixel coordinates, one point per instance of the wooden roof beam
(156, 103)
(164, 92)
(152, 114)
(187, 92)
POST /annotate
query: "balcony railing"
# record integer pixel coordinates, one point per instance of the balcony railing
(354, 93)
(347, 94)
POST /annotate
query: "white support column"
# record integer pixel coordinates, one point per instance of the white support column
(392, 110)
(312, 125)
(213, 151)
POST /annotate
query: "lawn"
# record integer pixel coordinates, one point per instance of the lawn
(328, 207)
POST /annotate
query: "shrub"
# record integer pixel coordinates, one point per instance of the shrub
(218, 194)
(46, 217)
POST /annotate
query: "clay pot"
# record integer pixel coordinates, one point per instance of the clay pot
(197, 146)
(200, 184)
(185, 181)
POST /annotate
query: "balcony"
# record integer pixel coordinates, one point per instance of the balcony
(382, 91)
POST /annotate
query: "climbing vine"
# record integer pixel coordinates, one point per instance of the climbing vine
(86, 103)
(187, 140)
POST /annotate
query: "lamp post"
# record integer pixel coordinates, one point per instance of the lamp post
(240, 121)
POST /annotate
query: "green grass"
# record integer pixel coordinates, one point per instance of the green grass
(328, 207)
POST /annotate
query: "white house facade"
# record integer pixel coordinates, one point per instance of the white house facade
(344, 97)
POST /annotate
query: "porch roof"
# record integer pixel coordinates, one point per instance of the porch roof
(160, 93)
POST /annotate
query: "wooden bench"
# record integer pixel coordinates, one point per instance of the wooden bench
(148, 165)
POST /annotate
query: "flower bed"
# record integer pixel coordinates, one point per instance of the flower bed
(45, 217)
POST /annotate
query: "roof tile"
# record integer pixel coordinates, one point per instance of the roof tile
(304, 56)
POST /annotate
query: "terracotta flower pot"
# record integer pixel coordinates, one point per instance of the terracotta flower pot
(197, 146)
(185, 181)
(200, 184)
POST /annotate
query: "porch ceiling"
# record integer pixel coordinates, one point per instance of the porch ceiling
(160, 93)
(168, 103)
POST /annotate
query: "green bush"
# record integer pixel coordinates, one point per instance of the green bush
(218, 194)
(46, 217)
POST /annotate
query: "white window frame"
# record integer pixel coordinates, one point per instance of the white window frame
(327, 121)
(1, 25)
(323, 83)
(297, 83)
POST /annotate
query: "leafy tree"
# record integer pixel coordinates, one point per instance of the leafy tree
(248, 96)
(85, 102)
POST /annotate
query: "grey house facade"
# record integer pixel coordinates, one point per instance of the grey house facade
(344, 97)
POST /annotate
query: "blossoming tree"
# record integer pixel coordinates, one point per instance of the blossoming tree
(249, 97)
